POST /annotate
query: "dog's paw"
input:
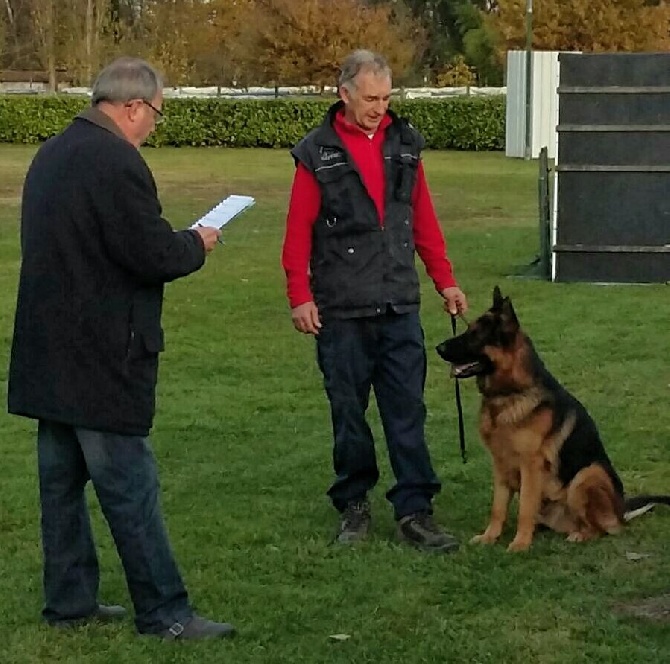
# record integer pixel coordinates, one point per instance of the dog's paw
(484, 538)
(581, 536)
(518, 544)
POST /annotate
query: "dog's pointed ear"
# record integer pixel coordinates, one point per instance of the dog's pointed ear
(508, 312)
(497, 298)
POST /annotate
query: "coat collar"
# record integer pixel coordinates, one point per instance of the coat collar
(95, 116)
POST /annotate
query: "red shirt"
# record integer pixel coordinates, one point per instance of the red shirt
(305, 204)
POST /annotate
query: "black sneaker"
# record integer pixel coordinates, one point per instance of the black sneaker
(421, 531)
(355, 522)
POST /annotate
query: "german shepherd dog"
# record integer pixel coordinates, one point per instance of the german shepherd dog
(544, 444)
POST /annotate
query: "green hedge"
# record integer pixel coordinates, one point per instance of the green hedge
(460, 123)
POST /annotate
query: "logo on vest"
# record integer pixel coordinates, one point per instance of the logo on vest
(327, 154)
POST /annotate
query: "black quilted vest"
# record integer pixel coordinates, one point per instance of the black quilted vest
(358, 266)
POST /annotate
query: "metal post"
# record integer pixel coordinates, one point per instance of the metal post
(545, 213)
(529, 77)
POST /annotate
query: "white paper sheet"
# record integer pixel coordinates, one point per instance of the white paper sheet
(224, 211)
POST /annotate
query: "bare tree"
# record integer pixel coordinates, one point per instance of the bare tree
(43, 14)
(91, 35)
(10, 12)
(97, 13)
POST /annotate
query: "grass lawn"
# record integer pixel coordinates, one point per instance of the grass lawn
(242, 437)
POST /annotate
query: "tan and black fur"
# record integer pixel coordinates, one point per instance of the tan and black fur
(544, 444)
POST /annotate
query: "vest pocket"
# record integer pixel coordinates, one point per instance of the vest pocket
(406, 169)
(336, 194)
(404, 253)
(347, 271)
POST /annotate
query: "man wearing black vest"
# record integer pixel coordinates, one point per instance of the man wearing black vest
(360, 208)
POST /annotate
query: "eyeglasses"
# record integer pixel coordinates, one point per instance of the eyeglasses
(159, 117)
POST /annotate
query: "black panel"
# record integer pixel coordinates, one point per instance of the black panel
(606, 69)
(614, 208)
(614, 109)
(613, 268)
(616, 148)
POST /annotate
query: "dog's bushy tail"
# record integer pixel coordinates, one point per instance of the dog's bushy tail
(638, 505)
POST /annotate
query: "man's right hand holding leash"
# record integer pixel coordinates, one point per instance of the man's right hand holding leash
(455, 302)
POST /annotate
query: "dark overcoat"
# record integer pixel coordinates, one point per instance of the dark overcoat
(96, 253)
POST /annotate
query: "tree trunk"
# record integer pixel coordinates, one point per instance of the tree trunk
(44, 25)
(10, 12)
(51, 46)
(90, 36)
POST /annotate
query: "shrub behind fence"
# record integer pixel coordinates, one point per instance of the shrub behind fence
(459, 123)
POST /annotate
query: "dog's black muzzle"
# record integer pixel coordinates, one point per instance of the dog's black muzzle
(464, 363)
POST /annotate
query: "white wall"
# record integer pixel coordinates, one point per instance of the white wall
(544, 103)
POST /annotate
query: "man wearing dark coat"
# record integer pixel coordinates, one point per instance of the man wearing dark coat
(96, 254)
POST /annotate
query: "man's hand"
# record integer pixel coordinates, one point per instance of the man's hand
(455, 301)
(305, 318)
(209, 236)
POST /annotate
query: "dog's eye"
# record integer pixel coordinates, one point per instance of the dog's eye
(484, 327)
(479, 338)
(483, 332)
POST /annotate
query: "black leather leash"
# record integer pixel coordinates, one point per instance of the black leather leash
(459, 405)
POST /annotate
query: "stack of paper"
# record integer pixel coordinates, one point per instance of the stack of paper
(224, 211)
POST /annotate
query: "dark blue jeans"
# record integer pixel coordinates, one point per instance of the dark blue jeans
(386, 353)
(124, 476)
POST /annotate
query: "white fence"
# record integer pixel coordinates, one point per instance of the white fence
(257, 92)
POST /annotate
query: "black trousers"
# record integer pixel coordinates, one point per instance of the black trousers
(385, 353)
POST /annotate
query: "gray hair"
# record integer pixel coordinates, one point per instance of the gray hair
(359, 61)
(125, 79)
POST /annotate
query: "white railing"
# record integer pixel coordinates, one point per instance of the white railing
(258, 92)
